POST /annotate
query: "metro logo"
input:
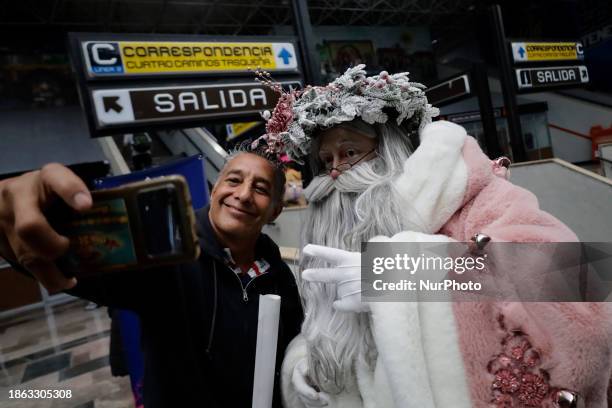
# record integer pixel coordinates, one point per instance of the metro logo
(103, 58)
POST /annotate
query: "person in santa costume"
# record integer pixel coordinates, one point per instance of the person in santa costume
(370, 185)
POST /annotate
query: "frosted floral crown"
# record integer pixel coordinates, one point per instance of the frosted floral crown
(299, 113)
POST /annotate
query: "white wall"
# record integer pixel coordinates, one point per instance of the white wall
(569, 113)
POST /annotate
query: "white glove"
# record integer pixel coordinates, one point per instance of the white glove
(310, 397)
(345, 273)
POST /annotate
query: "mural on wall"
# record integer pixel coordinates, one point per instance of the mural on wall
(341, 55)
(394, 49)
(420, 64)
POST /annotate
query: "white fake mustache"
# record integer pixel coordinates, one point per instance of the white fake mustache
(354, 180)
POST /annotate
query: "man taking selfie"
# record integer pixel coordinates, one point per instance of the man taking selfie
(199, 319)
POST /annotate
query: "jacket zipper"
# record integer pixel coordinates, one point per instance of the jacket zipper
(245, 296)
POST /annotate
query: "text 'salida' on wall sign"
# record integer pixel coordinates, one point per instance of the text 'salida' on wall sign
(449, 90)
(549, 77)
(121, 107)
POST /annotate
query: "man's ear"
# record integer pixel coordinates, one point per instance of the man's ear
(214, 187)
(277, 210)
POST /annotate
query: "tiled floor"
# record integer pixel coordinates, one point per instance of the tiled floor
(62, 348)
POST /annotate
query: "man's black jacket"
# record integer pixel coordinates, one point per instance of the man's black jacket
(199, 326)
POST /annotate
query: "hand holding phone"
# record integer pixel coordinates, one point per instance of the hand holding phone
(26, 237)
(135, 226)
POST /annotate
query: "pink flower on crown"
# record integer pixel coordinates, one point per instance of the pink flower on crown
(275, 143)
(282, 114)
(284, 158)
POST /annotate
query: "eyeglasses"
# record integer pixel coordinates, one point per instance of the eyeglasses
(342, 167)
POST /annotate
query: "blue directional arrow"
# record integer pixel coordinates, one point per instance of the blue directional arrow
(285, 55)
(521, 51)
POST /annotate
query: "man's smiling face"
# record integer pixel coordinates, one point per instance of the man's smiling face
(244, 199)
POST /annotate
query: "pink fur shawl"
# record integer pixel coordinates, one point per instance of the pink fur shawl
(571, 340)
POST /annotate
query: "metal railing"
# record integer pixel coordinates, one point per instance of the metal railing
(197, 141)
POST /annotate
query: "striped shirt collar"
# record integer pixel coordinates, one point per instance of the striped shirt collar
(259, 267)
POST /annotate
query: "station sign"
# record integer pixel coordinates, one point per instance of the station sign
(547, 77)
(499, 112)
(470, 116)
(142, 82)
(449, 90)
(141, 105)
(547, 51)
(105, 59)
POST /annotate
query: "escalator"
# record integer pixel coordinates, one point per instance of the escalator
(194, 141)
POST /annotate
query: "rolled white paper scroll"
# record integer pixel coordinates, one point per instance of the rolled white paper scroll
(265, 351)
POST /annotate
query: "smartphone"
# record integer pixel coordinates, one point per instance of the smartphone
(138, 225)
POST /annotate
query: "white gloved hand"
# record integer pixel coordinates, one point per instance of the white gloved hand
(310, 397)
(345, 273)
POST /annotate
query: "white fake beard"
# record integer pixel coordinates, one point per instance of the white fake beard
(357, 206)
